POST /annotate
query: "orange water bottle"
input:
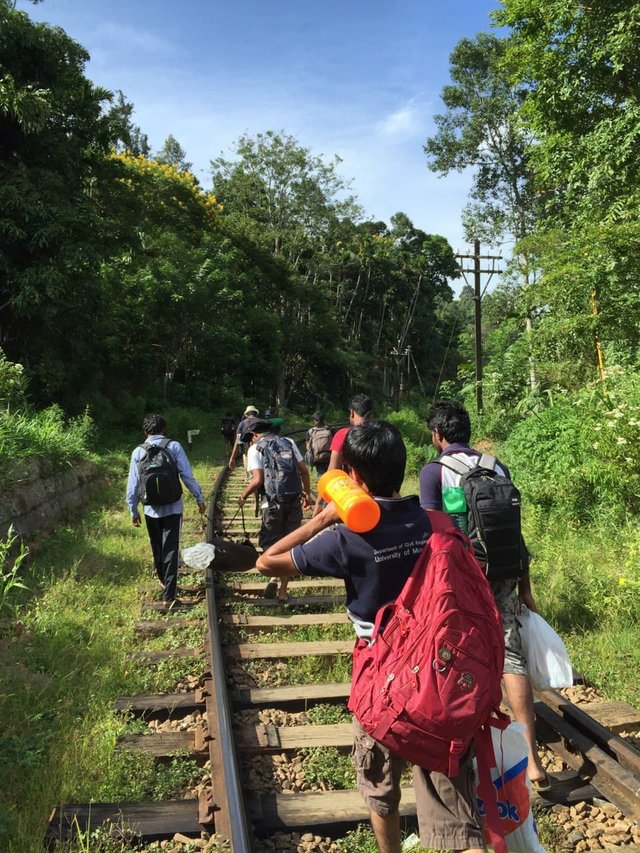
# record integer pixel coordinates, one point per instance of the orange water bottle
(355, 507)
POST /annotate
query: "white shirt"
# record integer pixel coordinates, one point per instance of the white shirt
(255, 460)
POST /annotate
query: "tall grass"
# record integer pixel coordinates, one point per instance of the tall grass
(46, 434)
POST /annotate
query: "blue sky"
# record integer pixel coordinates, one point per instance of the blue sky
(358, 78)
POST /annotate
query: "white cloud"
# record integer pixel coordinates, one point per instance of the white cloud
(402, 122)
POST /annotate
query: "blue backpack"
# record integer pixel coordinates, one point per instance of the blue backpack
(282, 482)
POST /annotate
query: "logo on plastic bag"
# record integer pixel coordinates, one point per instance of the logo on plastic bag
(513, 797)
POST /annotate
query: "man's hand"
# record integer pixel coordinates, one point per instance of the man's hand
(317, 508)
(306, 500)
(135, 520)
(232, 463)
(329, 515)
(526, 598)
(202, 507)
(242, 500)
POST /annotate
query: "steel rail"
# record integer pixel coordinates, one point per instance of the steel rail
(229, 818)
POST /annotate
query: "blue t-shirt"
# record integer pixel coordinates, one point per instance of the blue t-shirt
(374, 565)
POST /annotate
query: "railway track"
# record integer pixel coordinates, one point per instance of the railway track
(270, 702)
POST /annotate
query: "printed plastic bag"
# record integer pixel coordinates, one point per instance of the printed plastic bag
(199, 556)
(548, 663)
(510, 780)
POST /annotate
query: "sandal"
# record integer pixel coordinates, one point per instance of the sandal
(541, 785)
(270, 589)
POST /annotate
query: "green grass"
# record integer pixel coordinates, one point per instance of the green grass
(66, 655)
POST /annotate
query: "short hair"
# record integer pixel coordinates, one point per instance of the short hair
(362, 405)
(153, 424)
(260, 427)
(318, 417)
(377, 452)
(452, 421)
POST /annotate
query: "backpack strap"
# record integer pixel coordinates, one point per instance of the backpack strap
(486, 760)
(453, 464)
(487, 461)
(441, 522)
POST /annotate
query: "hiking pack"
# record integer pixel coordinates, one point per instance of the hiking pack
(228, 426)
(282, 482)
(158, 471)
(427, 684)
(492, 515)
(319, 445)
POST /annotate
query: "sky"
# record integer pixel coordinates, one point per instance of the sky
(360, 79)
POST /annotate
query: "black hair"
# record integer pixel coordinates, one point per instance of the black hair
(377, 452)
(261, 427)
(362, 405)
(452, 421)
(153, 424)
(318, 418)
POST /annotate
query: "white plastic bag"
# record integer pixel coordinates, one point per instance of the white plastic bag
(548, 663)
(510, 780)
(199, 556)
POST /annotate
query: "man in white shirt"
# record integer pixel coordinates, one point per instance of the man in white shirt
(278, 471)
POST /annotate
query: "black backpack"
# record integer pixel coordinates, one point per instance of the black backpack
(282, 482)
(228, 426)
(159, 480)
(493, 516)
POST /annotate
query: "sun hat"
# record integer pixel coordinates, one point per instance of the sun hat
(251, 409)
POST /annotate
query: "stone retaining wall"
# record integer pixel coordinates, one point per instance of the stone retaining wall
(39, 497)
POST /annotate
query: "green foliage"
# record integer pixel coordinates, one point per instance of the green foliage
(46, 434)
(329, 767)
(13, 383)
(13, 553)
(578, 456)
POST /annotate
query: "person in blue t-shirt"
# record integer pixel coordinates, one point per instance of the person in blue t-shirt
(450, 427)
(375, 567)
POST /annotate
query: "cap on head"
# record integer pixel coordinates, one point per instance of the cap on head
(267, 414)
(251, 410)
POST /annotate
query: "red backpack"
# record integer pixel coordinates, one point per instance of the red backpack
(429, 680)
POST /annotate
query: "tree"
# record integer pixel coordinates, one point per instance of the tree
(480, 130)
(579, 62)
(55, 132)
(173, 154)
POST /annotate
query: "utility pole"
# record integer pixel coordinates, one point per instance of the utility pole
(477, 301)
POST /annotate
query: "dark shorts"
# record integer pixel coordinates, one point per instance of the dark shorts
(508, 603)
(277, 521)
(446, 808)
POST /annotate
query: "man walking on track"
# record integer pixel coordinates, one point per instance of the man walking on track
(279, 473)
(155, 472)
(375, 567)
(441, 487)
(244, 428)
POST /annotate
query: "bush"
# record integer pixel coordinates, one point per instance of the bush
(47, 434)
(580, 456)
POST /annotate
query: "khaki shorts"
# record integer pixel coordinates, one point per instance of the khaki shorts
(508, 604)
(447, 810)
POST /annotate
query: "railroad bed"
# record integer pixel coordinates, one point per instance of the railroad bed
(266, 715)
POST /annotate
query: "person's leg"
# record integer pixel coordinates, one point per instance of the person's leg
(447, 808)
(516, 681)
(378, 781)
(520, 696)
(386, 829)
(268, 535)
(154, 530)
(170, 554)
(291, 519)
